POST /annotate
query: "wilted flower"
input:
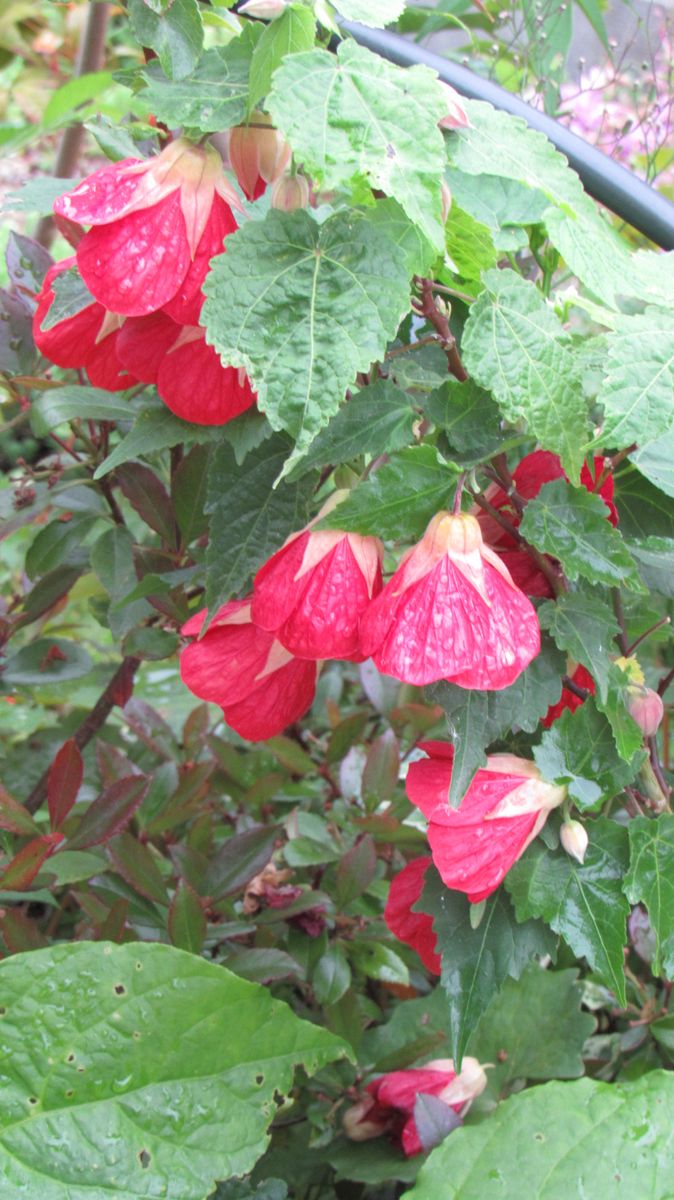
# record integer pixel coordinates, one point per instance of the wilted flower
(389, 1104)
(505, 807)
(451, 611)
(313, 591)
(574, 839)
(415, 929)
(258, 153)
(86, 340)
(260, 687)
(155, 225)
(188, 373)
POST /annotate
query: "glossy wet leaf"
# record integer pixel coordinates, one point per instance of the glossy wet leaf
(579, 752)
(476, 961)
(583, 625)
(562, 1140)
(139, 1065)
(583, 902)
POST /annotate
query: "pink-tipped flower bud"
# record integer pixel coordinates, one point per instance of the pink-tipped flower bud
(646, 708)
(456, 116)
(266, 10)
(290, 192)
(574, 839)
(258, 153)
(446, 201)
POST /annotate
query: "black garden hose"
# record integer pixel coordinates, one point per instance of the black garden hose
(612, 185)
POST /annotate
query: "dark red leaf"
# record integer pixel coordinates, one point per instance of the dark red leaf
(147, 494)
(23, 868)
(64, 782)
(110, 812)
(19, 932)
(135, 863)
(14, 817)
(114, 925)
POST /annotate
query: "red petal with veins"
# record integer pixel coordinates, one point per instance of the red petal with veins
(137, 264)
(193, 383)
(282, 697)
(315, 613)
(144, 342)
(415, 929)
(472, 850)
(514, 637)
(103, 196)
(223, 666)
(232, 613)
(104, 368)
(399, 1089)
(185, 306)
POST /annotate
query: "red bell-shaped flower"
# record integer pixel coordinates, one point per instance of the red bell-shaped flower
(189, 375)
(155, 225)
(528, 477)
(87, 340)
(415, 929)
(451, 611)
(314, 590)
(389, 1103)
(505, 807)
(260, 687)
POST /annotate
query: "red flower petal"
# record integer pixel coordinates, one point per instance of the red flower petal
(103, 196)
(472, 848)
(315, 612)
(415, 929)
(143, 343)
(399, 1089)
(185, 306)
(193, 383)
(514, 637)
(223, 666)
(103, 365)
(137, 264)
(281, 698)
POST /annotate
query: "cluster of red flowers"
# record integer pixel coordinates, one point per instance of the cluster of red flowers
(154, 226)
(450, 611)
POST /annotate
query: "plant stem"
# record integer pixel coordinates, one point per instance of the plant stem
(555, 579)
(90, 58)
(429, 309)
(621, 636)
(642, 637)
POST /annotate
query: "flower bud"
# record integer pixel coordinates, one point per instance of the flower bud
(355, 1121)
(646, 708)
(446, 199)
(455, 116)
(258, 153)
(264, 9)
(574, 839)
(290, 192)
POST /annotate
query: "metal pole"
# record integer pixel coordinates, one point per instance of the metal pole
(612, 185)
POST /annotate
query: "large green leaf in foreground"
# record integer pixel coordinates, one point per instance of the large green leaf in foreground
(138, 1071)
(603, 1141)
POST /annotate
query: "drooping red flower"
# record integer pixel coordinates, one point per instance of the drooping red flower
(388, 1106)
(505, 807)
(451, 611)
(542, 466)
(188, 373)
(260, 687)
(415, 929)
(258, 153)
(314, 590)
(155, 225)
(87, 340)
(569, 699)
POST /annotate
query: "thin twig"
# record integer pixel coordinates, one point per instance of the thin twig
(665, 682)
(554, 576)
(642, 636)
(427, 308)
(621, 636)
